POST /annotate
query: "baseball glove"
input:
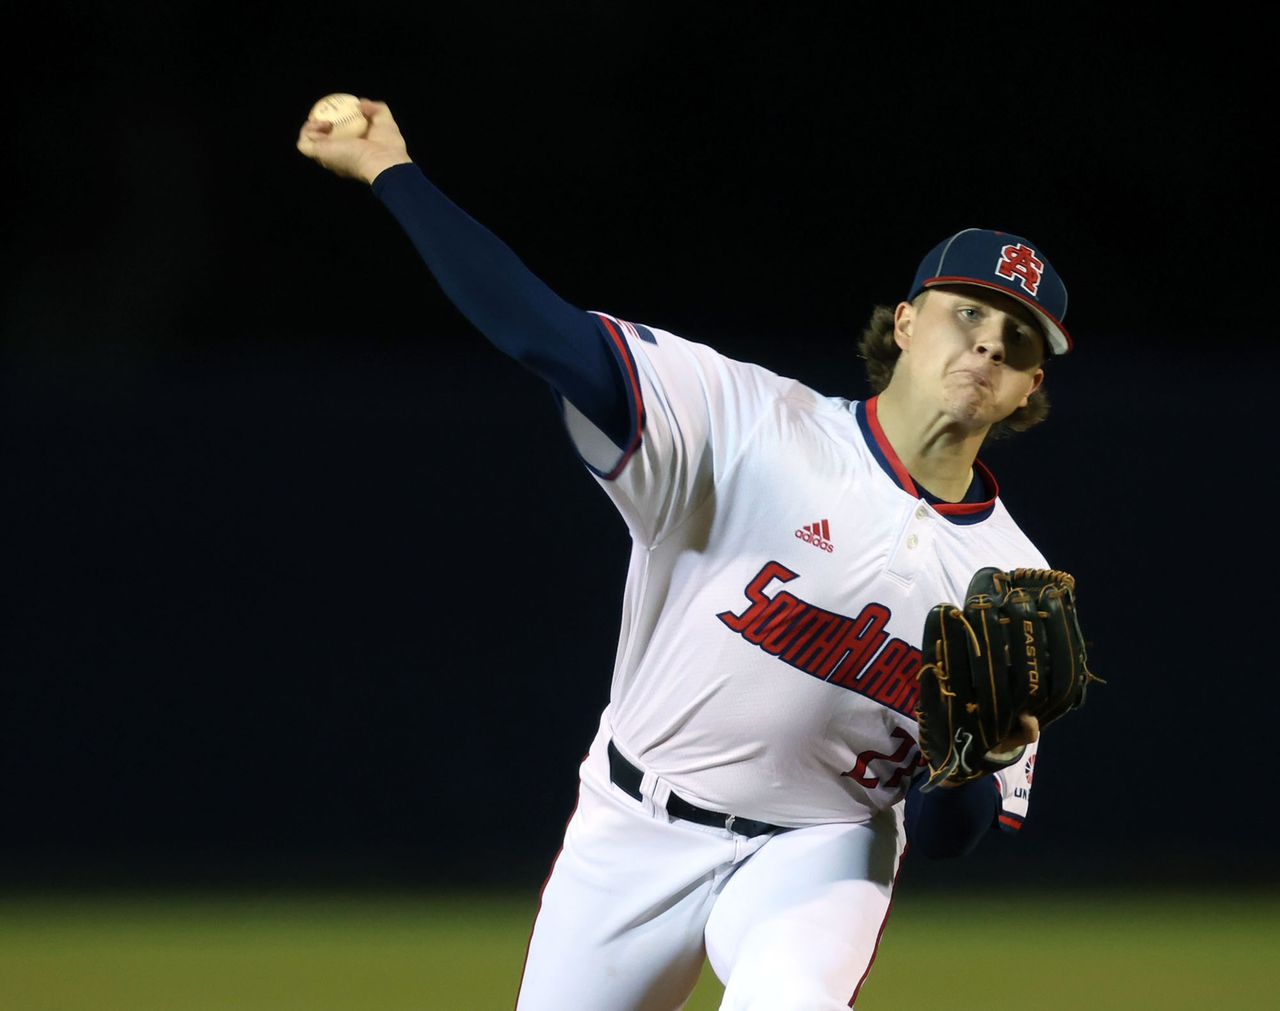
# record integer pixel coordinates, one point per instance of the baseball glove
(1014, 647)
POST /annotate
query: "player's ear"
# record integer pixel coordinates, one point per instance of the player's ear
(1036, 382)
(903, 320)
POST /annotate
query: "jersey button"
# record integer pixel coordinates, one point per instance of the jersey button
(921, 512)
(912, 541)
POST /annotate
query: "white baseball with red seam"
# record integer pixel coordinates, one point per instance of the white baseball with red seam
(343, 111)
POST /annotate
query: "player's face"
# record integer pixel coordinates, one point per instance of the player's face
(975, 353)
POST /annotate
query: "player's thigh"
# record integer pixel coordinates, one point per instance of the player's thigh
(622, 916)
(796, 926)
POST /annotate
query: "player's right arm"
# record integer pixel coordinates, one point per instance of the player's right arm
(483, 278)
(664, 417)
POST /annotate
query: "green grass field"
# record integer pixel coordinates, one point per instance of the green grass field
(1169, 952)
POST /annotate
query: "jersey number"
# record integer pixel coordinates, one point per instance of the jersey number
(860, 773)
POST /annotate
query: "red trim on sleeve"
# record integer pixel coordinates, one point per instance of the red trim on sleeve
(637, 398)
(1011, 822)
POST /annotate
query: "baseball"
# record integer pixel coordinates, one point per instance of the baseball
(343, 111)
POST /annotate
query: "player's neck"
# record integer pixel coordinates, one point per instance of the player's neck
(936, 450)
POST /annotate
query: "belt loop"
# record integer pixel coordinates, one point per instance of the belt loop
(645, 786)
(659, 790)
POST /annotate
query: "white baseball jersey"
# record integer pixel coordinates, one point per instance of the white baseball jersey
(781, 570)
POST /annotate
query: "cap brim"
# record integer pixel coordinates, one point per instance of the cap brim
(1059, 340)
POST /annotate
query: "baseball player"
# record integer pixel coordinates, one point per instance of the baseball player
(748, 796)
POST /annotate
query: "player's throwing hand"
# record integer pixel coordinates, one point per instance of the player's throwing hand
(360, 158)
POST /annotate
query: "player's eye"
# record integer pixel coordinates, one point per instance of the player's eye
(970, 313)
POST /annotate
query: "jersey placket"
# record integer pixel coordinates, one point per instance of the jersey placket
(914, 548)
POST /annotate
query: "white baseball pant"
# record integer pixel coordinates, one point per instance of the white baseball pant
(636, 899)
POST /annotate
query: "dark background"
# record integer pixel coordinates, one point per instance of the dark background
(301, 580)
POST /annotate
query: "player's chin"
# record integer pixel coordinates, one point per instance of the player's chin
(971, 408)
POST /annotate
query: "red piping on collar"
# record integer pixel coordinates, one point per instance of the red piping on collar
(909, 486)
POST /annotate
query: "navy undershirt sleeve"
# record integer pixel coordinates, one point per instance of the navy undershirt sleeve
(950, 823)
(507, 303)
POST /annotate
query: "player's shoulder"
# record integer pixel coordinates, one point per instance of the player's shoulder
(656, 342)
(689, 370)
(788, 395)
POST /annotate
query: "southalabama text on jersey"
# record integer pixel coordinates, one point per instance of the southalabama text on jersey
(845, 651)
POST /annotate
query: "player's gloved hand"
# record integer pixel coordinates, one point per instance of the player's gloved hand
(361, 158)
(997, 670)
(1010, 748)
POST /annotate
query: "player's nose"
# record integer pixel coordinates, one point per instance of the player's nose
(989, 340)
(996, 334)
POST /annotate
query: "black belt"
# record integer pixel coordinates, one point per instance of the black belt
(626, 777)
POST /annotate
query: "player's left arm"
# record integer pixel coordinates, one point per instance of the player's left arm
(951, 821)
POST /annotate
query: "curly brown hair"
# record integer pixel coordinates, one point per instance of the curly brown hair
(880, 351)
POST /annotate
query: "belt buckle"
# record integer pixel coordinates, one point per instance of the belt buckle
(728, 822)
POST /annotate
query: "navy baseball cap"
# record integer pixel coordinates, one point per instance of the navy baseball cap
(1003, 262)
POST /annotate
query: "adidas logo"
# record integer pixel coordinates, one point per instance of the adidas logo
(818, 534)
